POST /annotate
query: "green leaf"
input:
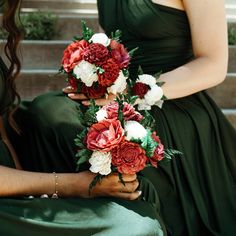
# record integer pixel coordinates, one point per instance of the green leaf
(157, 75)
(95, 180)
(90, 115)
(117, 35)
(140, 70)
(131, 52)
(160, 83)
(86, 31)
(80, 139)
(148, 121)
(148, 144)
(83, 156)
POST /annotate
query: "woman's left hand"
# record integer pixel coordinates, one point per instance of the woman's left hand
(72, 94)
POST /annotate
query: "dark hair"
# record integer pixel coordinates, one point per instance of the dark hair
(10, 23)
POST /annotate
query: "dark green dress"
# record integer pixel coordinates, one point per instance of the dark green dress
(72, 217)
(198, 191)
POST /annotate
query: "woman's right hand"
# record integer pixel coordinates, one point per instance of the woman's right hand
(109, 186)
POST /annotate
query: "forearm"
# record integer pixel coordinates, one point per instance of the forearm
(197, 75)
(24, 183)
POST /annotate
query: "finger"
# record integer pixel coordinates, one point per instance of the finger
(77, 96)
(102, 101)
(129, 178)
(129, 187)
(128, 196)
(68, 89)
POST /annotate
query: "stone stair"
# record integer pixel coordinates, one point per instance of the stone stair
(41, 59)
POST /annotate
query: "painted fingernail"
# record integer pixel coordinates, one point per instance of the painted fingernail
(71, 95)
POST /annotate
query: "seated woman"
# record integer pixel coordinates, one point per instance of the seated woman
(74, 212)
(178, 37)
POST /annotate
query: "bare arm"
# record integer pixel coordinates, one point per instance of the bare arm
(209, 37)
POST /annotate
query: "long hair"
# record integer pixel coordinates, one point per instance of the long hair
(10, 23)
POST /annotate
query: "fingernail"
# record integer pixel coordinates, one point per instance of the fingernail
(71, 95)
(85, 103)
(139, 193)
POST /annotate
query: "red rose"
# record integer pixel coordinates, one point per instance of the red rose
(95, 91)
(96, 54)
(110, 74)
(140, 89)
(129, 158)
(105, 135)
(119, 54)
(128, 112)
(73, 54)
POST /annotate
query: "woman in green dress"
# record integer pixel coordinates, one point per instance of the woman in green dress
(198, 191)
(73, 213)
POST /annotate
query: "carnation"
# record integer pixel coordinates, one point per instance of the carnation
(100, 163)
(134, 130)
(86, 72)
(93, 92)
(110, 74)
(119, 85)
(153, 95)
(96, 54)
(101, 38)
(101, 115)
(147, 79)
(140, 89)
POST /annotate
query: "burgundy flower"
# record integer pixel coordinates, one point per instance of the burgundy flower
(105, 135)
(140, 89)
(73, 82)
(129, 158)
(95, 91)
(119, 54)
(110, 74)
(96, 54)
(73, 54)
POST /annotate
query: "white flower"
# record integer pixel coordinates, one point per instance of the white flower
(147, 79)
(153, 95)
(100, 162)
(101, 115)
(119, 86)
(101, 38)
(86, 72)
(135, 130)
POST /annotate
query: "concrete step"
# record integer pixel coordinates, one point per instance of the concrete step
(68, 7)
(225, 93)
(39, 54)
(231, 116)
(230, 8)
(232, 59)
(60, 4)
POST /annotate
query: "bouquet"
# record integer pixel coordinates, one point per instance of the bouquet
(95, 64)
(117, 138)
(148, 90)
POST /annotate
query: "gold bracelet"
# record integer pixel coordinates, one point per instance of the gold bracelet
(55, 194)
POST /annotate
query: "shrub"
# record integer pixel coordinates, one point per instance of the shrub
(232, 35)
(37, 26)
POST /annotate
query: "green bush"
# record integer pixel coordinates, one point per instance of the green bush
(37, 26)
(232, 35)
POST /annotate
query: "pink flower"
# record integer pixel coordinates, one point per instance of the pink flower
(159, 151)
(128, 112)
(129, 158)
(73, 54)
(105, 135)
(119, 54)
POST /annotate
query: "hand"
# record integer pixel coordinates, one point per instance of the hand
(72, 94)
(111, 186)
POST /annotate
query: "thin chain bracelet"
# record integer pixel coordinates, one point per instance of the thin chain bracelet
(55, 194)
